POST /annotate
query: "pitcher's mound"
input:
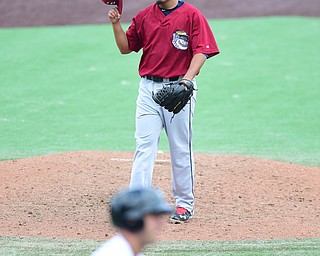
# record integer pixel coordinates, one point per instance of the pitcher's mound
(237, 197)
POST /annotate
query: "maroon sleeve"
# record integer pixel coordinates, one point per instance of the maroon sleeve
(203, 40)
(133, 37)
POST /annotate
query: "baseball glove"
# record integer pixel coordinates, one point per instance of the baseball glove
(174, 96)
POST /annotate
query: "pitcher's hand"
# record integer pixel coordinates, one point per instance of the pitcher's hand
(114, 15)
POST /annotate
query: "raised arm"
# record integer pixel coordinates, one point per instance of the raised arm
(119, 35)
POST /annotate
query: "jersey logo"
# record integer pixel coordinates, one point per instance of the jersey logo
(180, 40)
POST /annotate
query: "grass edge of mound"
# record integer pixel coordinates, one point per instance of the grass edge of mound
(279, 159)
(45, 246)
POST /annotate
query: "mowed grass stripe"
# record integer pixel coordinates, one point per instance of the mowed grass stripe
(68, 88)
(262, 247)
(46, 246)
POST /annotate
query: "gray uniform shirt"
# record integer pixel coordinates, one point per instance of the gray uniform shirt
(116, 246)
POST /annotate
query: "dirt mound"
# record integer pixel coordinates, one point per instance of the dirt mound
(53, 12)
(237, 197)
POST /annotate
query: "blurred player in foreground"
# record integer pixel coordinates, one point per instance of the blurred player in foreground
(138, 214)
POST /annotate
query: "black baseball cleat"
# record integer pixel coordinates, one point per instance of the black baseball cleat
(180, 216)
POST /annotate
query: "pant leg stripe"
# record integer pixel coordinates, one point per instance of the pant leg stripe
(190, 147)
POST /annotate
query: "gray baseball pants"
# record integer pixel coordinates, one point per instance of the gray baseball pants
(150, 120)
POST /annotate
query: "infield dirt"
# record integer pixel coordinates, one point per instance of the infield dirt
(237, 197)
(52, 12)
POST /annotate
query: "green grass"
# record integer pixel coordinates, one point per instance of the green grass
(46, 246)
(68, 88)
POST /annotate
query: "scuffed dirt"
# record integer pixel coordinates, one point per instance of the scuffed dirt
(237, 197)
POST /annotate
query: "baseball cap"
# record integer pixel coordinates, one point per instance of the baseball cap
(134, 204)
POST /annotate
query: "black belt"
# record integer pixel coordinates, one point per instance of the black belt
(161, 79)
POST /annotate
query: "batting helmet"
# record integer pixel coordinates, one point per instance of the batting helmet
(130, 206)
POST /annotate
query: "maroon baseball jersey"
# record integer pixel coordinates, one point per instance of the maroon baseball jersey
(170, 42)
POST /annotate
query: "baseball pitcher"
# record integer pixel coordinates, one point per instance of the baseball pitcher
(176, 40)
